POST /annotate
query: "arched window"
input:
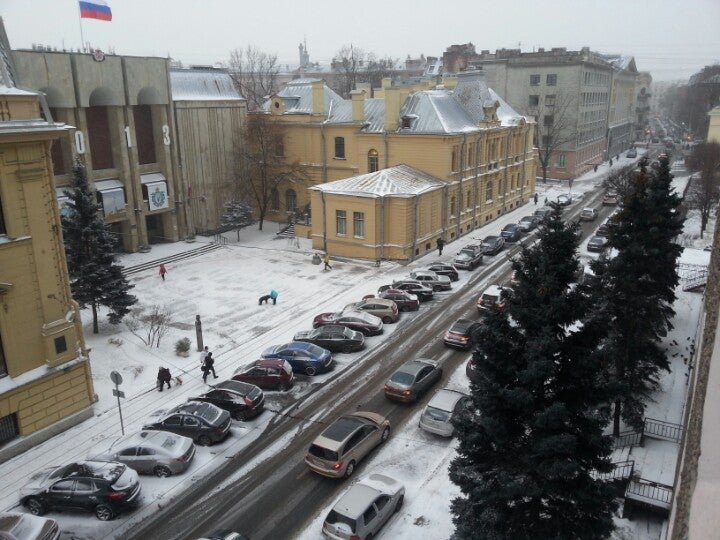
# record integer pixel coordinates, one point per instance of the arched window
(274, 199)
(290, 200)
(489, 192)
(373, 162)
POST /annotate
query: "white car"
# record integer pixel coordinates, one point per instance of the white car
(364, 508)
(588, 214)
(492, 297)
(439, 413)
(27, 527)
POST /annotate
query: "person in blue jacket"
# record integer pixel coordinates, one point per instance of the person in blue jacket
(274, 295)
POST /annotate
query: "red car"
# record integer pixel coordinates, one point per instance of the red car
(369, 325)
(267, 373)
(405, 301)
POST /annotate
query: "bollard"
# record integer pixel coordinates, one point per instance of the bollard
(198, 333)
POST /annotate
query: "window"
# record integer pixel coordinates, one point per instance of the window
(98, 126)
(489, 192)
(174, 420)
(84, 484)
(551, 79)
(339, 147)
(533, 100)
(369, 514)
(359, 224)
(561, 160)
(454, 166)
(406, 122)
(341, 222)
(279, 146)
(550, 100)
(8, 428)
(290, 200)
(548, 119)
(144, 137)
(64, 485)
(469, 198)
(534, 80)
(190, 421)
(275, 199)
(546, 141)
(60, 345)
(373, 162)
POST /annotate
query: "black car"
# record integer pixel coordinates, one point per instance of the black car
(511, 232)
(242, 400)
(493, 245)
(444, 269)
(564, 200)
(103, 487)
(597, 243)
(334, 338)
(543, 214)
(423, 292)
(204, 423)
(405, 300)
(462, 334)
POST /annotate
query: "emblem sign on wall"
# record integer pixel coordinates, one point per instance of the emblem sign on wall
(157, 196)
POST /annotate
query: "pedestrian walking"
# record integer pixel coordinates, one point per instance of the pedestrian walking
(163, 271)
(274, 295)
(163, 377)
(326, 260)
(440, 245)
(203, 354)
(535, 198)
(208, 366)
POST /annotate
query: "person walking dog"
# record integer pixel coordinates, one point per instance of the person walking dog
(163, 377)
(274, 295)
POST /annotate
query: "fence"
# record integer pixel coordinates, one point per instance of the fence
(650, 493)
(659, 429)
(628, 438)
(622, 470)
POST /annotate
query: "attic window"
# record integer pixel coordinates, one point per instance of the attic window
(406, 121)
(277, 104)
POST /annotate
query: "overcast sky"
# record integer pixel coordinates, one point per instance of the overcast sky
(670, 38)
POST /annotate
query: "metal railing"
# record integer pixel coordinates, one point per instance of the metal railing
(622, 470)
(628, 438)
(660, 429)
(652, 491)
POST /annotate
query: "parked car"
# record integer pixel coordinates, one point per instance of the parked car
(528, 223)
(204, 423)
(404, 300)
(412, 379)
(105, 488)
(148, 452)
(364, 508)
(242, 400)
(564, 200)
(597, 243)
(334, 338)
(543, 214)
(368, 324)
(445, 269)
(337, 450)
(632, 153)
(492, 245)
(438, 415)
(385, 310)
(303, 357)
(432, 280)
(603, 230)
(588, 214)
(423, 292)
(511, 233)
(461, 334)
(610, 199)
(492, 297)
(267, 373)
(469, 257)
(21, 526)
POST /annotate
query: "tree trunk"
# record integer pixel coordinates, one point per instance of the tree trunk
(616, 418)
(95, 322)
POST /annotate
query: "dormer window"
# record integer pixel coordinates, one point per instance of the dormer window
(406, 121)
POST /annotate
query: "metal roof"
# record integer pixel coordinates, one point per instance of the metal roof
(298, 99)
(398, 181)
(202, 85)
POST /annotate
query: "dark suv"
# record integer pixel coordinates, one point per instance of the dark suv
(469, 257)
(444, 269)
(242, 400)
(103, 487)
(204, 423)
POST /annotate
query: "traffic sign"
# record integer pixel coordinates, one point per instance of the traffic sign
(118, 393)
(116, 377)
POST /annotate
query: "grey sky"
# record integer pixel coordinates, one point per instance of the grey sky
(672, 39)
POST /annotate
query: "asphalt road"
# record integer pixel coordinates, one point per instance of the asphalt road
(279, 495)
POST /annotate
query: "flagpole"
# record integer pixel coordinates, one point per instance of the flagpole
(82, 37)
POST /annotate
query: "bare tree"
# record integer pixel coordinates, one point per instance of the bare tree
(554, 126)
(620, 180)
(255, 74)
(704, 192)
(261, 166)
(149, 327)
(377, 69)
(348, 62)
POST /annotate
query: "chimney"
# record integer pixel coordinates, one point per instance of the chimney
(386, 83)
(392, 108)
(358, 105)
(318, 96)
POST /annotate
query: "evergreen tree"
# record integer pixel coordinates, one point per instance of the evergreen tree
(531, 439)
(95, 279)
(237, 215)
(637, 289)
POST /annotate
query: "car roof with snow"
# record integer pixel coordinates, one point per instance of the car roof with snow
(446, 399)
(495, 290)
(355, 500)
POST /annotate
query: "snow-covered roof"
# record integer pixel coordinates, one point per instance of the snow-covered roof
(12, 91)
(202, 85)
(398, 181)
(298, 98)
(621, 62)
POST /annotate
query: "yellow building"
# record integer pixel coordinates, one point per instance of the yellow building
(45, 380)
(468, 138)
(713, 134)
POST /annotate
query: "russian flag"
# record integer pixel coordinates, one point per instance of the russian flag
(95, 9)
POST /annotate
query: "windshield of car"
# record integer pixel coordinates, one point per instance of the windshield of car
(437, 414)
(464, 255)
(489, 298)
(402, 378)
(335, 518)
(323, 453)
(209, 414)
(348, 333)
(526, 219)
